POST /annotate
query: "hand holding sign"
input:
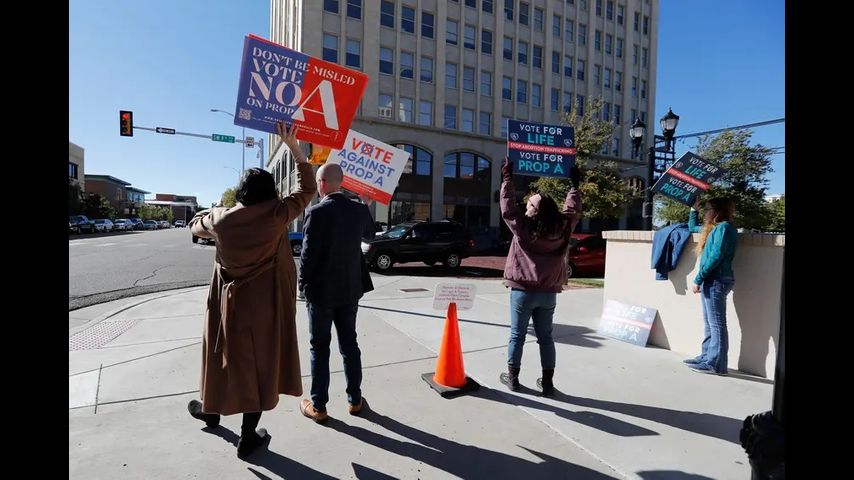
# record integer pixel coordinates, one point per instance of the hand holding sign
(289, 138)
(506, 170)
(575, 176)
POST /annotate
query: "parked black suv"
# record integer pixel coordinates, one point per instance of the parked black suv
(428, 242)
(80, 224)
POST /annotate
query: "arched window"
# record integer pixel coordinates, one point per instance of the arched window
(420, 160)
(467, 166)
(636, 183)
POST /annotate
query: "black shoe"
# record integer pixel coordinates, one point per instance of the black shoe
(548, 389)
(511, 379)
(250, 441)
(195, 409)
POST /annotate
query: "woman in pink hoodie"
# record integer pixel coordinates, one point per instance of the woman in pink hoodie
(536, 270)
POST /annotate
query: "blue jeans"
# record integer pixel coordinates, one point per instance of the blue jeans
(713, 293)
(320, 330)
(523, 306)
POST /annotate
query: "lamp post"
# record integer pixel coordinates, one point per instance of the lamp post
(243, 158)
(662, 144)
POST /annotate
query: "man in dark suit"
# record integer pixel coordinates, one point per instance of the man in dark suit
(334, 276)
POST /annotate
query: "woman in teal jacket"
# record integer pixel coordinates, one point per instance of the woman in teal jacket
(714, 281)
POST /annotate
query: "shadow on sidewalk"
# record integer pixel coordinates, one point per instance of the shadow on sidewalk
(708, 424)
(590, 419)
(464, 461)
(264, 457)
(408, 269)
(671, 475)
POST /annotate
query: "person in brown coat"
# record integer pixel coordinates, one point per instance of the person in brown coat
(249, 348)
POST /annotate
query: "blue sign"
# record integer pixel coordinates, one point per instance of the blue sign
(540, 150)
(629, 323)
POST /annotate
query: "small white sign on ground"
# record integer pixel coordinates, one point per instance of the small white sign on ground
(460, 293)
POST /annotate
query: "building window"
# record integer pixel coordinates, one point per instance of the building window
(422, 159)
(619, 48)
(451, 75)
(584, 4)
(634, 86)
(606, 111)
(471, 3)
(643, 116)
(536, 95)
(486, 83)
(508, 48)
(645, 58)
(524, 10)
(645, 25)
(597, 40)
(425, 113)
(635, 54)
(598, 8)
(637, 20)
(426, 69)
(597, 75)
(468, 123)
(617, 114)
(354, 9)
(407, 19)
(469, 37)
(451, 32)
(386, 61)
(486, 42)
(508, 9)
(504, 121)
(555, 62)
(387, 14)
(538, 19)
(384, 106)
(521, 91)
(507, 88)
(354, 54)
(555, 100)
(634, 113)
(609, 10)
(607, 78)
(468, 79)
(580, 69)
(567, 66)
(405, 109)
(643, 88)
(582, 34)
(450, 116)
(579, 104)
(485, 124)
(568, 28)
(620, 11)
(615, 147)
(538, 57)
(72, 170)
(556, 25)
(567, 101)
(330, 6)
(467, 166)
(523, 53)
(427, 24)
(609, 44)
(486, 5)
(407, 65)
(330, 48)
(618, 81)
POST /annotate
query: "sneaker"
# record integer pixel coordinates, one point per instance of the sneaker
(356, 409)
(195, 409)
(511, 382)
(704, 368)
(309, 411)
(693, 361)
(547, 389)
(249, 443)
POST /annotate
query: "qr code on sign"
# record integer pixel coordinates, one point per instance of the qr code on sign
(245, 114)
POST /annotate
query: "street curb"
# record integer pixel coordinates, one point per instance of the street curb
(112, 313)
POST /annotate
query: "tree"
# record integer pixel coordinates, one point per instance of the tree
(605, 192)
(96, 206)
(75, 198)
(777, 207)
(228, 197)
(746, 178)
(154, 212)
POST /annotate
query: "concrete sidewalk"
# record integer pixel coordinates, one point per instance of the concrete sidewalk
(621, 412)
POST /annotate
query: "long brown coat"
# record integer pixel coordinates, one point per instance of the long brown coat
(249, 349)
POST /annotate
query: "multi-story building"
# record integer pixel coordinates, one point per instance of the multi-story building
(183, 206)
(75, 165)
(446, 75)
(125, 199)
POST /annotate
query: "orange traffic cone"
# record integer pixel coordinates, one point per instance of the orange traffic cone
(449, 365)
(450, 379)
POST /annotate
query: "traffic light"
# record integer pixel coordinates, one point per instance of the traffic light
(126, 123)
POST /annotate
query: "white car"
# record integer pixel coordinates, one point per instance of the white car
(122, 224)
(103, 225)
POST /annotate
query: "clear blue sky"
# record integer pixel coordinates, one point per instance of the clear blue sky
(720, 64)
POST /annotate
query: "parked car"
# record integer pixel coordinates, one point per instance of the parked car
(80, 224)
(122, 224)
(586, 255)
(380, 228)
(295, 238)
(165, 224)
(150, 224)
(137, 223)
(428, 242)
(180, 224)
(103, 225)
